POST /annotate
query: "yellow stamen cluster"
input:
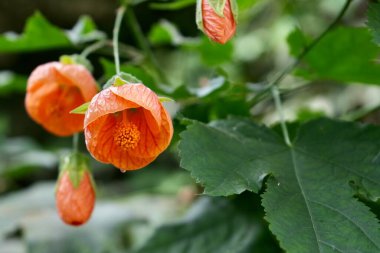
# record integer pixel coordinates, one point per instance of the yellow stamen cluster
(126, 135)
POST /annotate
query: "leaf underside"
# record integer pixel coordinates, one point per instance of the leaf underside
(309, 199)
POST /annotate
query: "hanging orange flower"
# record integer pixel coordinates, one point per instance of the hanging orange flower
(75, 204)
(219, 28)
(127, 126)
(53, 90)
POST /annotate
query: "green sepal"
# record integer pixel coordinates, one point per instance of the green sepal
(120, 80)
(82, 109)
(76, 59)
(235, 10)
(165, 99)
(76, 164)
(217, 6)
(198, 15)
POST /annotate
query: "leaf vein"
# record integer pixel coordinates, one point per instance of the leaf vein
(305, 198)
(347, 217)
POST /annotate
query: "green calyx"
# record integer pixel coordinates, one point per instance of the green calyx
(76, 164)
(76, 59)
(120, 80)
(217, 6)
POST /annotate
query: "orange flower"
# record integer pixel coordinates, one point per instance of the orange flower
(218, 28)
(53, 90)
(127, 126)
(75, 204)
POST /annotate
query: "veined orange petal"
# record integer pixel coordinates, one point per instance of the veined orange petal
(106, 102)
(219, 29)
(56, 117)
(141, 95)
(79, 76)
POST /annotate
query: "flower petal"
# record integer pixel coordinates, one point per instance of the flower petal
(141, 95)
(50, 106)
(106, 102)
(100, 143)
(152, 142)
(51, 95)
(80, 77)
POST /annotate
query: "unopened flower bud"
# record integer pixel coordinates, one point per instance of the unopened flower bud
(217, 19)
(75, 193)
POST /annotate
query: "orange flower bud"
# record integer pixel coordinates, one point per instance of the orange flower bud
(53, 90)
(217, 19)
(75, 194)
(127, 126)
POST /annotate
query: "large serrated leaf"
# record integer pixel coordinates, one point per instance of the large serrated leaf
(309, 198)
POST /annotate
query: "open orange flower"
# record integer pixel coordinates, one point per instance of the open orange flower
(127, 126)
(218, 28)
(75, 204)
(53, 90)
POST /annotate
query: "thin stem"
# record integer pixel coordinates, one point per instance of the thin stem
(76, 143)
(144, 45)
(93, 47)
(116, 29)
(280, 110)
(308, 48)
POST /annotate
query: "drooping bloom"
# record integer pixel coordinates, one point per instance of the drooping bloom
(219, 27)
(127, 126)
(75, 193)
(53, 90)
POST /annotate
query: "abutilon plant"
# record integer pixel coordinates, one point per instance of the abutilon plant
(217, 19)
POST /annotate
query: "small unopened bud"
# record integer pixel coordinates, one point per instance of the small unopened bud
(75, 193)
(217, 19)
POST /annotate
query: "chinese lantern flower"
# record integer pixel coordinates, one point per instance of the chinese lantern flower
(75, 194)
(53, 90)
(217, 19)
(127, 126)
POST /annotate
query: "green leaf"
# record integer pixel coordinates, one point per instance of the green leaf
(374, 20)
(163, 33)
(11, 82)
(309, 198)
(84, 31)
(38, 34)
(172, 6)
(212, 225)
(82, 109)
(345, 54)
(214, 54)
(297, 41)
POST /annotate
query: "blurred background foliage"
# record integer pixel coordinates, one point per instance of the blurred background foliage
(159, 208)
